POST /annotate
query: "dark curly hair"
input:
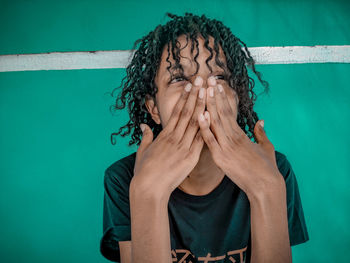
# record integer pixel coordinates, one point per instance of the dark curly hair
(145, 62)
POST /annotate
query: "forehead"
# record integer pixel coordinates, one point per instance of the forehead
(187, 57)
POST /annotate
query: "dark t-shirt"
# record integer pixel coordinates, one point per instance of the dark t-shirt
(208, 228)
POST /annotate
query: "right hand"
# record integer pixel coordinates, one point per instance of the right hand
(163, 164)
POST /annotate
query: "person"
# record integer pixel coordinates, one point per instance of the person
(198, 189)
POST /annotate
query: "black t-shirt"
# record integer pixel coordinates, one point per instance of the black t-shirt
(208, 228)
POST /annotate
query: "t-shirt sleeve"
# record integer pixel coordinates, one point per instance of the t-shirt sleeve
(296, 221)
(116, 212)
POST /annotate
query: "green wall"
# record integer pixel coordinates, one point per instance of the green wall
(56, 125)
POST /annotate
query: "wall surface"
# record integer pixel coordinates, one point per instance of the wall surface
(56, 125)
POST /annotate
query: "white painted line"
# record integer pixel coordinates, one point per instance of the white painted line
(121, 58)
(301, 54)
(64, 60)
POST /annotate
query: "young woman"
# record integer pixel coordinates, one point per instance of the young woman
(198, 189)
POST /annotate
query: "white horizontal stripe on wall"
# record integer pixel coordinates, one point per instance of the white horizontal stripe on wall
(120, 58)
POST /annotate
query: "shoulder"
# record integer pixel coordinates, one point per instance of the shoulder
(280, 157)
(121, 171)
(283, 164)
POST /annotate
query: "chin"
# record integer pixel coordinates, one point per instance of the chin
(205, 147)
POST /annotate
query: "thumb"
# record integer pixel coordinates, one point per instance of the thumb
(147, 136)
(259, 132)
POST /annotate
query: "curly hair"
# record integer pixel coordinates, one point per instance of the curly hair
(145, 62)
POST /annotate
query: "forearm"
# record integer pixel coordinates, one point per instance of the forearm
(269, 225)
(150, 233)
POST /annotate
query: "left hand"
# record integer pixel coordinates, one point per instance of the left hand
(251, 166)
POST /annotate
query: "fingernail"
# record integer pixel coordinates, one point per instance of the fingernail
(198, 81)
(211, 91)
(201, 117)
(201, 93)
(212, 81)
(142, 126)
(206, 114)
(188, 87)
(220, 88)
(262, 124)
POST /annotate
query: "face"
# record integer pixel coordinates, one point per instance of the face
(169, 90)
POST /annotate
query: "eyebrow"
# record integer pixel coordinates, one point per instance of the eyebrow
(175, 68)
(167, 76)
(186, 66)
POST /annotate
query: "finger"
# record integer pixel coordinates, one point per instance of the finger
(263, 140)
(197, 145)
(208, 136)
(188, 109)
(193, 126)
(233, 101)
(225, 112)
(146, 140)
(261, 135)
(207, 116)
(175, 115)
(215, 122)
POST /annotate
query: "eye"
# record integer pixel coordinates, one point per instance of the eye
(222, 76)
(177, 77)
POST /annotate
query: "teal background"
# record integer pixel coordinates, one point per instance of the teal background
(56, 125)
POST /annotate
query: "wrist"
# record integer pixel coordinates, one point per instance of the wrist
(148, 190)
(274, 188)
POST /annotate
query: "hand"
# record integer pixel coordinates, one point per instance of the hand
(251, 166)
(163, 164)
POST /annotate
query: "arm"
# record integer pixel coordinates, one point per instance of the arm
(269, 225)
(150, 233)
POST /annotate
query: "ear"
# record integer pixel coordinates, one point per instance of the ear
(152, 108)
